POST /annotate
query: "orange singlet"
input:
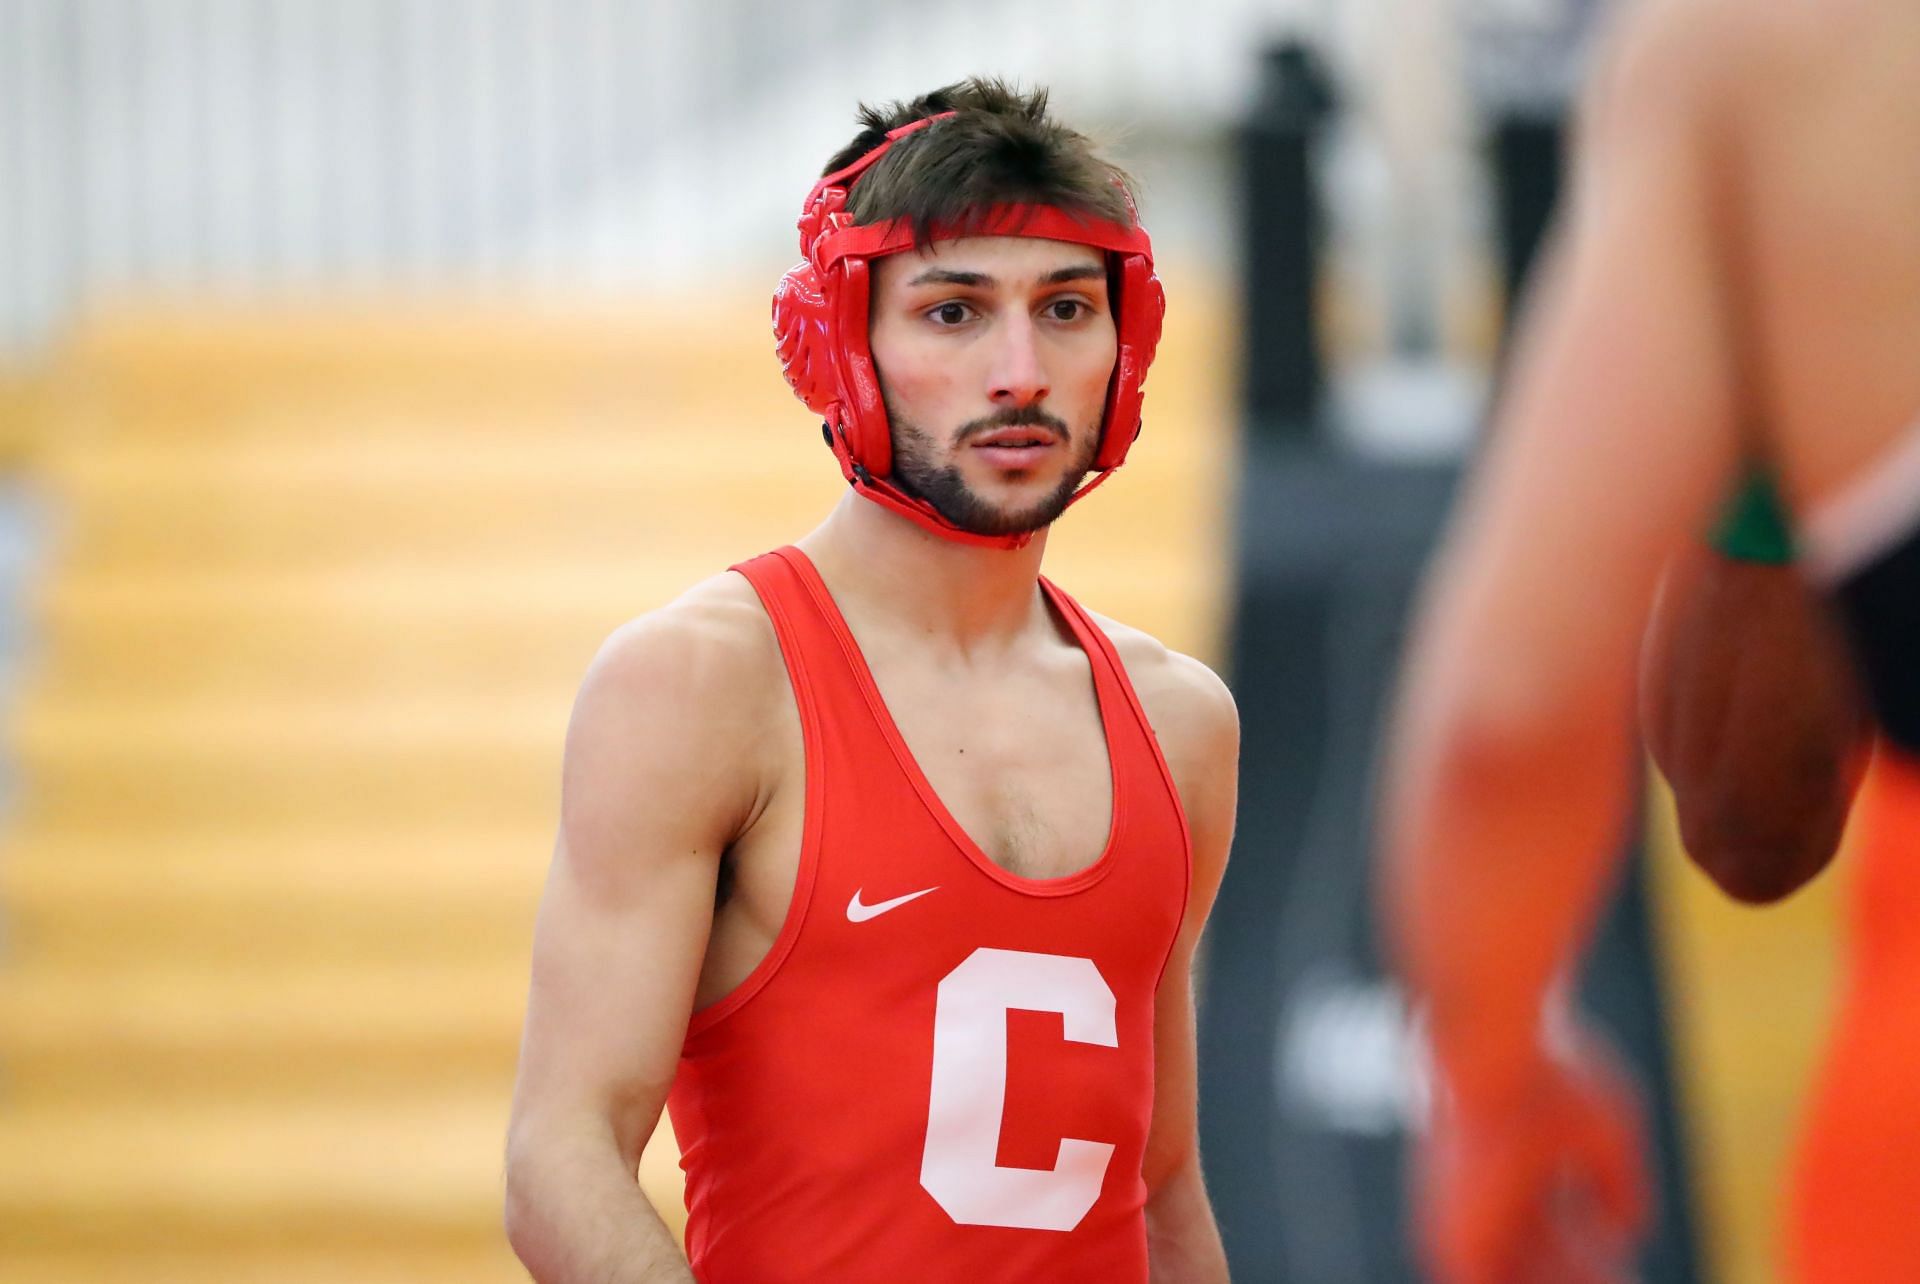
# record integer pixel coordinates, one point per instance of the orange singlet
(941, 1071)
(1855, 1196)
(1855, 1201)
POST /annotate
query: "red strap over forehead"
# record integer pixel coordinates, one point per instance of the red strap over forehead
(1043, 222)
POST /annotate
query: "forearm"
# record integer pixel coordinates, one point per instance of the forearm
(1500, 848)
(1183, 1241)
(578, 1216)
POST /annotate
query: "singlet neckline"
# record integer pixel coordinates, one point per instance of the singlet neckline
(1064, 884)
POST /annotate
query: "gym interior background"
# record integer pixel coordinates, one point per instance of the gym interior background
(364, 362)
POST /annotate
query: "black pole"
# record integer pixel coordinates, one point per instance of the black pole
(1284, 376)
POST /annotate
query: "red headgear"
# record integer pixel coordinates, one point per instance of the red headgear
(820, 327)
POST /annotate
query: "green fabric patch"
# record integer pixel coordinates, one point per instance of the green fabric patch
(1754, 527)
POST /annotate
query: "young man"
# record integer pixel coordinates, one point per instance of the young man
(1731, 257)
(882, 863)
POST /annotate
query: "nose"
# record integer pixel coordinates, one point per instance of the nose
(1018, 377)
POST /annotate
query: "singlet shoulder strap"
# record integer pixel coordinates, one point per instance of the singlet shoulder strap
(1110, 676)
(784, 599)
(797, 620)
(825, 678)
(1139, 762)
(1869, 515)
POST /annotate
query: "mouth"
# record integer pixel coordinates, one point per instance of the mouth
(1013, 458)
(1014, 448)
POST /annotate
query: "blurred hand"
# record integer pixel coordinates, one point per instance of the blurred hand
(1546, 1187)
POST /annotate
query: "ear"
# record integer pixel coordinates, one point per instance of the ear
(802, 335)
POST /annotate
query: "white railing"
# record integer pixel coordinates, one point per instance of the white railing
(247, 146)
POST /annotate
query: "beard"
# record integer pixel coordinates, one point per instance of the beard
(916, 473)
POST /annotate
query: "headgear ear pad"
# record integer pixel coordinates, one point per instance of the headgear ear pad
(820, 313)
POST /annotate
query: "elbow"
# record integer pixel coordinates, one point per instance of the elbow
(518, 1216)
(522, 1214)
(515, 1212)
(1162, 1173)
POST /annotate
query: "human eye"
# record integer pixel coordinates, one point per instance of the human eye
(950, 313)
(1069, 310)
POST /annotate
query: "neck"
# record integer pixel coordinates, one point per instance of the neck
(878, 563)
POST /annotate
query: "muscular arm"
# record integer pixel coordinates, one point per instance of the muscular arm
(1750, 710)
(1512, 760)
(1199, 731)
(656, 783)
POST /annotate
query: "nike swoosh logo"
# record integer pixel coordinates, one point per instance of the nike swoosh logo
(858, 913)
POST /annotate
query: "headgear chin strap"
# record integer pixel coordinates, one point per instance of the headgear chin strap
(820, 312)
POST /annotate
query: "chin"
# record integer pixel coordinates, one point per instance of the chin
(1011, 504)
(1034, 510)
(995, 502)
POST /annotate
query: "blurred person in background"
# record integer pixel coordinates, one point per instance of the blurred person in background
(1734, 279)
(881, 862)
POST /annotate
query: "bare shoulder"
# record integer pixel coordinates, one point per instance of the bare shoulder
(1191, 709)
(713, 636)
(1657, 68)
(675, 707)
(1791, 52)
(1664, 60)
(1776, 33)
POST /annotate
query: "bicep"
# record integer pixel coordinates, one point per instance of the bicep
(612, 988)
(622, 930)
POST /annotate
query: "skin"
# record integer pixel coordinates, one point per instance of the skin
(684, 757)
(1727, 259)
(1750, 710)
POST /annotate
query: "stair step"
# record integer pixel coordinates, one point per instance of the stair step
(115, 639)
(359, 765)
(287, 373)
(394, 1168)
(168, 726)
(472, 1258)
(51, 923)
(67, 1029)
(238, 900)
(429, 862)
(337, 504)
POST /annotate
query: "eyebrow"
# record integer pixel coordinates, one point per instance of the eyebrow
(1059, 276)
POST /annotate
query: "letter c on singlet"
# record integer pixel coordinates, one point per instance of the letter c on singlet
(959, 1167)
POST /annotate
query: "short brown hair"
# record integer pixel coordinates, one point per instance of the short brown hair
(999, 148)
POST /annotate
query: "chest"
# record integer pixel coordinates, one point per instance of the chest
(1019, 760)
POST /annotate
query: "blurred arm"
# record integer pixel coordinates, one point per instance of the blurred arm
(1512, 761)
(1194, 716)
(1749, 708)
(652, 793)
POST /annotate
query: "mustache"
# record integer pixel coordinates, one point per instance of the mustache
(1019, 417)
